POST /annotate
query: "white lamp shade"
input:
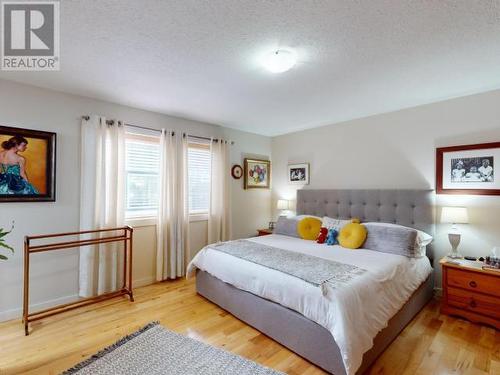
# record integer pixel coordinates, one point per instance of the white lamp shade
(282, 204)
(454, 215)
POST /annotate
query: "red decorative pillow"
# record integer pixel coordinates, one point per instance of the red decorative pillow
(323, 233)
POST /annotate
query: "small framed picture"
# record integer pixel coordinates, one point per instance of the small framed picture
(298, 174)
(468, 169)
(257, 174)
(27, 165)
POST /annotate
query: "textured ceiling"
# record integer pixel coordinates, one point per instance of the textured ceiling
(200, 59)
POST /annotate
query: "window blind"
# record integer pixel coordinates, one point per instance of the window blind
(142, 180)
(199, 163)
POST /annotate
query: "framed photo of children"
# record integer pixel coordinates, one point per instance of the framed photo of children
(298, 174)
(257, 174)
(468, 169)
(27, 165)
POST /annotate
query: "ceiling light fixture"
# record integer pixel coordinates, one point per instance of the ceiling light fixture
(280, 61)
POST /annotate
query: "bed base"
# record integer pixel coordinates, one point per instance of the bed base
(301, 335)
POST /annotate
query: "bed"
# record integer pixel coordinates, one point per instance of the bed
(330, 332)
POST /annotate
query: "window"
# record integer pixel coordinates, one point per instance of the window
(143, 177)
(199, 163)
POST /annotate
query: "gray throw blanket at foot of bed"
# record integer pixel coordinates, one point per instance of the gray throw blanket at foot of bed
(319, 272)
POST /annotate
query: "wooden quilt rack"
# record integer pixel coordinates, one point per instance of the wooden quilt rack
(125, 237)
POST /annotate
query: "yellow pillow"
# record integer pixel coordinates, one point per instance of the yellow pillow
(308, 228)
(352, 235)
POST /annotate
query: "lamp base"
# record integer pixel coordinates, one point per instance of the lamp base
(455, 255)
(454, 242)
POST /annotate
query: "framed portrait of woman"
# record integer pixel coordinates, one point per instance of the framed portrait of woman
(27, 165)
(468, 169)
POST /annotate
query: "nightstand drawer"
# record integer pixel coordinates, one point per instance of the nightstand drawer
(474, 302)
(474, 281)
(264, 232)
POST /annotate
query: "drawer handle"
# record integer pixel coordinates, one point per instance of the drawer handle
(472, 303)
(472, 284)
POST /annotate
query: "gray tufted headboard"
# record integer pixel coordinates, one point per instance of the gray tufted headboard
(411, 208)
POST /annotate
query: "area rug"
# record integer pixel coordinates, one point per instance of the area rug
(156, 350)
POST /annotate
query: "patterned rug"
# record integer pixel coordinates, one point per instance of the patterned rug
(156, 350)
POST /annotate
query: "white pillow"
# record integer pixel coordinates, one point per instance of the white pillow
(423, 239)
(330, 223)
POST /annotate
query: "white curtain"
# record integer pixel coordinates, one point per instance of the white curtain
(219, 213)
(173, 215)
(102, 202)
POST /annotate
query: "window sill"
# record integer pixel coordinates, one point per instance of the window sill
(198, 217)
(137, 222)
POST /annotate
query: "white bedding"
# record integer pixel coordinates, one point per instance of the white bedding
(354, 314)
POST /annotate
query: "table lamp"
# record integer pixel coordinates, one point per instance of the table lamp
(454, 216)
(283, 205)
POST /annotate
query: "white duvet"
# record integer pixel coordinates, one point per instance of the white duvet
(354, 314)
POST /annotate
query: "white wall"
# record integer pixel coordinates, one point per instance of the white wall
(397, 150)
(54, 276)
(251, 209)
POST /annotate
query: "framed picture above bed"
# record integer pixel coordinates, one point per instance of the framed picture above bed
(298, 174)
(27, 165)
(257, 174)
(468, 169)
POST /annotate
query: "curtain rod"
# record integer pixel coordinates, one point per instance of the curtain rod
(111, 122)
(206, 138)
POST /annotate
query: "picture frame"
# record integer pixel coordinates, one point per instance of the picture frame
(468, 169)
(298, 174)
(257, 174)
(27, 165)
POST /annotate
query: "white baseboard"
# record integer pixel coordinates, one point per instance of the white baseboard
(18, 313)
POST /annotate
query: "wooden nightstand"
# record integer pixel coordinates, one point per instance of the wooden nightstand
(471, 292)
(264, 232)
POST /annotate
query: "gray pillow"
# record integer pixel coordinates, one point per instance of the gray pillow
(287, 226)
(392, 240)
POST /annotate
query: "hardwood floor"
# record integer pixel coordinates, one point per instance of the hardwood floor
(430, 344)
